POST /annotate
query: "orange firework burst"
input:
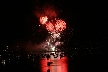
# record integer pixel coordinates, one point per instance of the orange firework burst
(60, 25)
(48, 17)
(43, 20)
(50, 27)
(57, 26)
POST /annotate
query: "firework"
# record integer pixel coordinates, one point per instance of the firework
(55, 26)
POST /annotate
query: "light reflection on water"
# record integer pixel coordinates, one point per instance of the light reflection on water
(54, 64)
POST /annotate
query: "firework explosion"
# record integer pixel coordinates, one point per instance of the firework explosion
(53, 25)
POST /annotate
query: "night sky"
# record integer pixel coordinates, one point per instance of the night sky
(86, 18)
(87, 43)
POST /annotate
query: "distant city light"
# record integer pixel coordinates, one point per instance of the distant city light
(3, 61)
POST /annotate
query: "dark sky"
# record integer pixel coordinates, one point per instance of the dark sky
(87, 18)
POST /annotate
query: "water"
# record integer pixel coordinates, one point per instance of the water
(54, 64)
(48, 62)
(44, 63)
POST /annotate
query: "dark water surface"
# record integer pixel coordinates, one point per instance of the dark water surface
(68, 63)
